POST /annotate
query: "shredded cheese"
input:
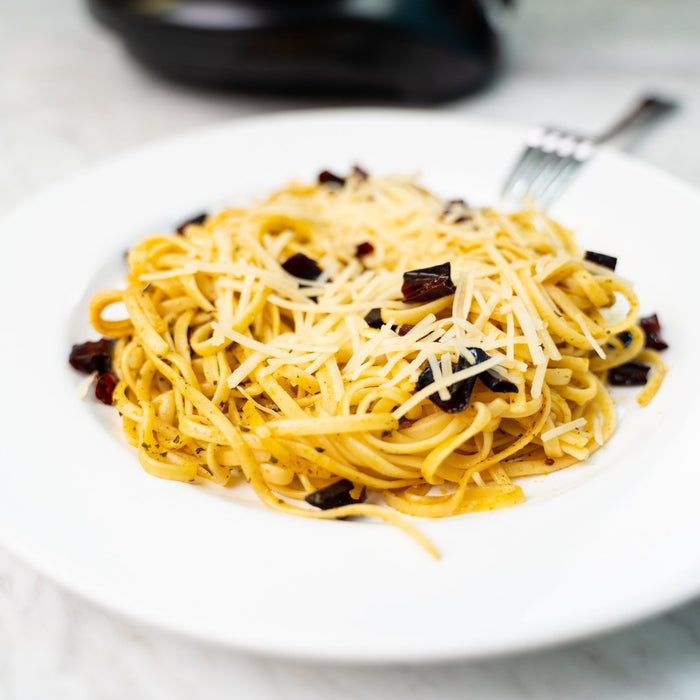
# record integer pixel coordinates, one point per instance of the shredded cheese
(230, 364)
(563, 429)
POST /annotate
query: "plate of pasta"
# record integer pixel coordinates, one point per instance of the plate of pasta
(308, 389)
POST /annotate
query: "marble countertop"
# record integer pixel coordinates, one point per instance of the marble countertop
(70, 98)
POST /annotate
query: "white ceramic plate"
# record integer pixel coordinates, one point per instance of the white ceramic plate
(594, 547)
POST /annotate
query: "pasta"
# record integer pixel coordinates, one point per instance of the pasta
(230, 366)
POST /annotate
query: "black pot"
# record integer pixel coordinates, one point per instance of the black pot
(410, 50)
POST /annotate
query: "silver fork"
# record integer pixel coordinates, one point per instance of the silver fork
(552, 156)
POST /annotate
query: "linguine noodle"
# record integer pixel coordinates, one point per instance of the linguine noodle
(230, 367)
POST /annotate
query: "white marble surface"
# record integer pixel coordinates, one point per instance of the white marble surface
(69, 98)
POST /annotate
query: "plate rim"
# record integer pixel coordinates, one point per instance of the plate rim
(147, 150)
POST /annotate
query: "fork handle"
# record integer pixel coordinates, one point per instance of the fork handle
(648, 110)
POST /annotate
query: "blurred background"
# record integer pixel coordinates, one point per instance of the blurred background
(72, 94)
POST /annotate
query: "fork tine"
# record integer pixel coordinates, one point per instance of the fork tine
(556, 163)
(558, 184)
(584, 150)
(534, 164)
(552, 157)
(532, 149)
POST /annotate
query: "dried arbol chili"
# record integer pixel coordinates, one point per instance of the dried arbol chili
(199, 219)
(601, 259)
(335, 495)
(373, 318)
(461, 207)
(492, 379)
(652, 329)
(363, 249)
(428, 283)
(461, 391)
(359, 173)
(104, 388)
(92, 356)
(630, 374)
(303, 267)
(326, 177)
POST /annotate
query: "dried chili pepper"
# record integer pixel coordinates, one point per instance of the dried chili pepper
(199, 219)
(363, 249)
(374, 318)
(104, 388)
(601, 259)
(460, 392)
(335, 495)
(630, 374)
(427, 284)
(326, 176)
(303, 267)
(652, 329)
(92, 356)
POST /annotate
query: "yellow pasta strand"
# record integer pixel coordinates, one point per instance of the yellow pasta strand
(228, 365)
